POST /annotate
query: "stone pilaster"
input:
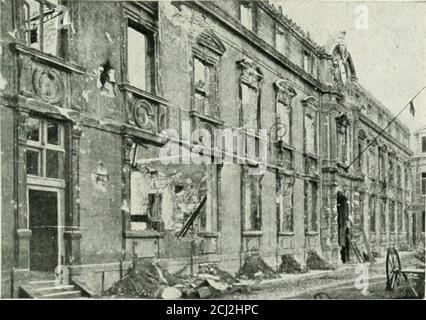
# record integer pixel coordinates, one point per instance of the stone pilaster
(23, 234)
(127, 170)
(72, 231)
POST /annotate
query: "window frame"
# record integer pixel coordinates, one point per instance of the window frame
(42, 146)
(40, 23)
(250, 8)
(423, 144)
(151, 35)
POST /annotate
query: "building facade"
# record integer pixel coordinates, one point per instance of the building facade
(90, 179)
(419, 185)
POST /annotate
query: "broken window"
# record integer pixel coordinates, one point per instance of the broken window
(310, 132)
(280, 40)
(209, 214)
(399, 217)
(382, 175)
(140, 50)
(285, 204)
(246, 11)
(372, 209)
(249, 100)
(205, 87)
(424, 144)
(308, 62)
(372, 163)
(398, 176)
(391, 170)
(342, 138)
(45, 152)
(284, 116)
(311, 206)
(253, 220)
(424, 183)
(383, 216)
(41, 25)
(391, 217)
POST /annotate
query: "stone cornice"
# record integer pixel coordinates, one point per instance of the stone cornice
(230, 22)
(363, 118)
(48, 59)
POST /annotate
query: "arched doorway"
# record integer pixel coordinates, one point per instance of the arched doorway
(343, 226)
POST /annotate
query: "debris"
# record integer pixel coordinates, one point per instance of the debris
(290, 265)
(252, 265)
(213, 269)
(144, 279)
(208, 276)
(376, 254)
(219, 286)
(171, 293)
(258, 275)
(204, 292)
(315, 262)
(420, 255)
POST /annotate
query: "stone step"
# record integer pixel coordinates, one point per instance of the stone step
(63, 295)
(56, 289)
(42, 283)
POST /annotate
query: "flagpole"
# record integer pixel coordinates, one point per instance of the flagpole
(384, 129)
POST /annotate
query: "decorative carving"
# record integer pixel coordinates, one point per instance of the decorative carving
(311, 105)
(144, 115)
(210, 40)
(285, 92)
(48, 85)
(250, 73)
(362, 135)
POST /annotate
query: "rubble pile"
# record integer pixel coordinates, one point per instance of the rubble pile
(214, 270)
(254, 268)
(290, 265)
(315, 262)
(420, 255)
(145, 279)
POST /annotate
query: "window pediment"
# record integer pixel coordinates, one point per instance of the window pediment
(210, 40)
(285, 92)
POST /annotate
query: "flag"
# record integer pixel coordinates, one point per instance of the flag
(412, 110)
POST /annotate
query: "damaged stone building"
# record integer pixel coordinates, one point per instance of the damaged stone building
(83, 106)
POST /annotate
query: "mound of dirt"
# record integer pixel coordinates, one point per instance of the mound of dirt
(290, 265)
(315, 262)
(145, 279)
(253, 266)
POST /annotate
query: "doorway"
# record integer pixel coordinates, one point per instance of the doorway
(343, 227)
(43, 208)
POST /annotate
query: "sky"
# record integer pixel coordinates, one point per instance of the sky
(389, 55)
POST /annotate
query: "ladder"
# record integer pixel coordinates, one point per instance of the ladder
(191, 219)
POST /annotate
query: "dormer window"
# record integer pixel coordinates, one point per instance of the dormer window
(246, 15)
(41, 25)
(140, 57)
(207, 52)
(280, 41)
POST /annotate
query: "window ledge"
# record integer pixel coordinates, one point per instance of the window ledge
(208, 234)
(310, 155)
(194, 113)
(252, 233)
(144, 234)
(285, 233)
(142, 93)
(48, 59)
(311, 233)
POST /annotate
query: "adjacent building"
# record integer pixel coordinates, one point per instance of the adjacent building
(90, 179)
(419, 185)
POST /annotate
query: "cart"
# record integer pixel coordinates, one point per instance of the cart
(394, 272)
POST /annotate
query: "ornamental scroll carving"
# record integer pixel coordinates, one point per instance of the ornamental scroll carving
(48, 85)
